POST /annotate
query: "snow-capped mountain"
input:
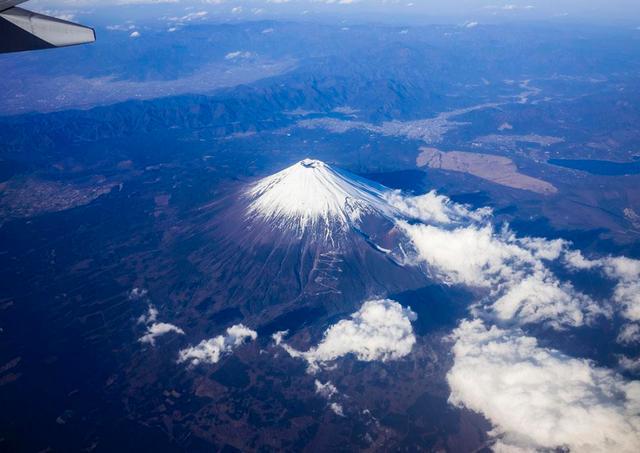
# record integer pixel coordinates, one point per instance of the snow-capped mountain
(309, 231)
(313, 196)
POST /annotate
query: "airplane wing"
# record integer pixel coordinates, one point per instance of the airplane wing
(24, 30)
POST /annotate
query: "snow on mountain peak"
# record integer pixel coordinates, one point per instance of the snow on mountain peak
(312, 194)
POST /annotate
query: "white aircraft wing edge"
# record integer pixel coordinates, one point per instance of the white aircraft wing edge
(25, 30)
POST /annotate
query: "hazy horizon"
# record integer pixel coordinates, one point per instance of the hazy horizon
(439, 11)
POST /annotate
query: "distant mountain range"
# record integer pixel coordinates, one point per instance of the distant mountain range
(382, 72)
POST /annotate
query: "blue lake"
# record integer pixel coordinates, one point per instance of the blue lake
(599, 167)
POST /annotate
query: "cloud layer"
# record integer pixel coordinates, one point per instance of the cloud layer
(538, 398)
(461, 246)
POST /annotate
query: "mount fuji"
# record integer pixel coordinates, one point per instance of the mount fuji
(313, 198)
(309, 232)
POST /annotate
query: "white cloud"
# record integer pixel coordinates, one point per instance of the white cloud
(122, 27)
(544, 249)
(513, 274)
(64, 15)
(512, 270)
(155, 329)
(138, 293)
(629, 364)
(538, 398)
(337, 409)
(190, 17)
(212, 350)
(135, 34)
(158, 329)
(474, 256)
(629, 334)
(510, 7)
(541, 298)
(150, 316)
(238, 54)
(380, 331)
(627, 291)
(326, 390)
(625, 272)
(279, 336)
(434, 208)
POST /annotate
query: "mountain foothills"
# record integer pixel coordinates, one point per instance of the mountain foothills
(280, 236)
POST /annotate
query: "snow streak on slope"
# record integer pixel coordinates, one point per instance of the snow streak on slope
(313, 195)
